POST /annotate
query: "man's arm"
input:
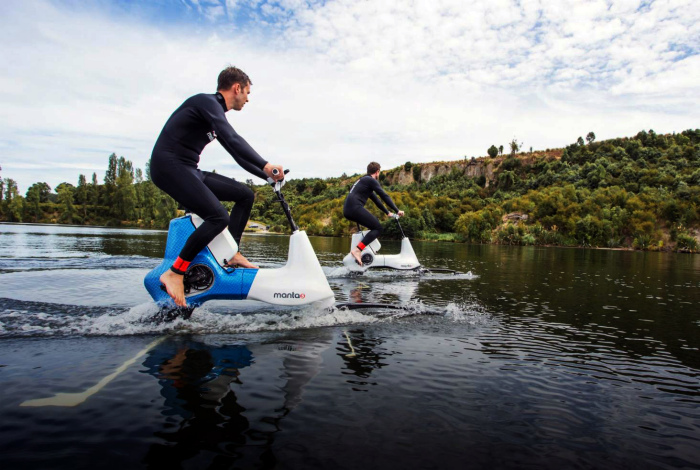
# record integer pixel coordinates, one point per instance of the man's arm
(378, 203)
(235, 145)
(378, 189)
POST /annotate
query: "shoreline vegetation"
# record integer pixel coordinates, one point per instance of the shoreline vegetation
(640, 192)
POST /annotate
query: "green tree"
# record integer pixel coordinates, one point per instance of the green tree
(506, 179)
(492, 151)
(124, 194)
(43, 190)
(112, 168)
(428, 218)
(416, 173)
(13, 204)
(94, 194)
(138, 191)
(37, 194)
(110, 186)
(10, 189)
(64, 185)
(82, 195)
(318, 188)
(65, 198)
(514, 146)
(32, 208)
(151, 198)
(590, 137)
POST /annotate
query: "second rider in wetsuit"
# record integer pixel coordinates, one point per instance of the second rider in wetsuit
(198, 121)
(367, 187)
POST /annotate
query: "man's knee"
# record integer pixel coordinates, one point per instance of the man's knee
(247, 197)
(220, 219)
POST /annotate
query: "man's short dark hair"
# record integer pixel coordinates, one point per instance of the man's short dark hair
(231, 75)
(373, 167)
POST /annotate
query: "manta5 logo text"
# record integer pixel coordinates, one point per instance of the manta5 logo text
(288, 295)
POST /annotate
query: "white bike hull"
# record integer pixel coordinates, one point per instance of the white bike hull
(300, 281)
(405, 260)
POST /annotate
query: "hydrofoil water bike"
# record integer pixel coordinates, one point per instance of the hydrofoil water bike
(301, 281)
(405, 260)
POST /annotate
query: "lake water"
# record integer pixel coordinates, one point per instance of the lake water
(534, 358)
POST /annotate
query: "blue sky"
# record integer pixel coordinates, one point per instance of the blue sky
(339, 83)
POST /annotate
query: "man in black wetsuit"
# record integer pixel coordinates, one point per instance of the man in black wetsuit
(354, 207)
(198, 121)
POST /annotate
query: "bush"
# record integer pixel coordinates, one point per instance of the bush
(510, 163)
(528, 239)
(686, 243)
(477, 226)
(511, 234)
(642, 242)
(416, 173)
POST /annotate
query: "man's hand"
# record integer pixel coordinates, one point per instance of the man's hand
(400, 213)
(275, 177)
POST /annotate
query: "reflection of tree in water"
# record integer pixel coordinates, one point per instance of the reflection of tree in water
(206, 425)
(364, 356)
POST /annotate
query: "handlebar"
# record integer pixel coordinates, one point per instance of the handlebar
(277, 185)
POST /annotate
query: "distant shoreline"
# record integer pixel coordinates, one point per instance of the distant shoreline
(428, 240)
(120, 227)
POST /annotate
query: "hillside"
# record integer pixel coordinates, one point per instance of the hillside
(641, 192)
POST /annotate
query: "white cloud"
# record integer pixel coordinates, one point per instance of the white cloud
(342, 82)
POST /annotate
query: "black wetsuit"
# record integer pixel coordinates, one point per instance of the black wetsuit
(198, 121)
(354, 207)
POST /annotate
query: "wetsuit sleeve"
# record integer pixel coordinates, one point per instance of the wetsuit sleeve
(234, 144)
(378, 203)
(378, 189)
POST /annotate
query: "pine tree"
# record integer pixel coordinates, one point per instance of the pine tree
(125, 194)
(81, 195)
(110, 186)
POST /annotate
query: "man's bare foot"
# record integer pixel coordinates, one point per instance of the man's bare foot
(240, 261)
(355, 252)
(174, 285)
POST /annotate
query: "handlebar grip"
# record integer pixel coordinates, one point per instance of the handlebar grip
(276, 172)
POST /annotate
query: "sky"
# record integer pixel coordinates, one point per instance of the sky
(339, 83)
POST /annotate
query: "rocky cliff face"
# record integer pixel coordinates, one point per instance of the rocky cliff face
(474, 168)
